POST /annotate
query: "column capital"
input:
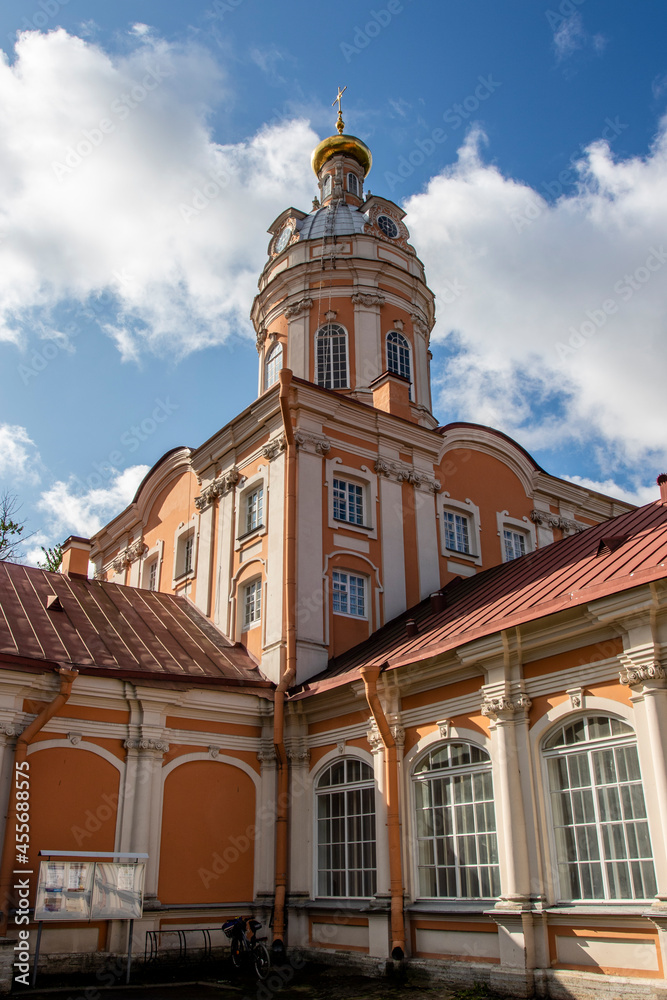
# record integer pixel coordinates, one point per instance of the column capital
(146, 746)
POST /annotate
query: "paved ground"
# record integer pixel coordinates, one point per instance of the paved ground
(315, 983)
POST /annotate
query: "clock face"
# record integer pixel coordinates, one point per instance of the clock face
(283, 239)
(388, 226)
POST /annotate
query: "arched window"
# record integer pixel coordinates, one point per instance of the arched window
(603, 845)
(331, 356)
(457, 849)
(326, 185)
(353, 184)
(345, 794)
(272, 365)
(398, 356)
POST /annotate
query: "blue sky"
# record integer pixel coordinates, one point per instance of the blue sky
(527, 141)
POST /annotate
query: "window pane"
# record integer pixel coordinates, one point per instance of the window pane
(602, 841)
(346, 829)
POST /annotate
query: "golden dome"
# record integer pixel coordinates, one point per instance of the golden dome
(348, 144)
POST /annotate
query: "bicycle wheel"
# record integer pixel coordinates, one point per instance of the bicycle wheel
(262, 960)
(236, 950)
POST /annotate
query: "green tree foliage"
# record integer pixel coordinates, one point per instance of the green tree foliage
(52, 558)
(11, 528)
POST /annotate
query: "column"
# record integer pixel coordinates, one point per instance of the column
(146, 757)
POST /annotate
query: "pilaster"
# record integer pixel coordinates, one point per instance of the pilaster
(144, 758)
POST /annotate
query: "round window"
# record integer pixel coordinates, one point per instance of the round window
(283, 239)
(388, 226)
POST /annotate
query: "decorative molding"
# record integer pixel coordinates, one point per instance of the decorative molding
(445, 728)
(142, 744)
(500, 705)
(261, 339)
(317, 443)
(298, 307)
(223, 484)
(266, 756)
(274, 447)
(375, 740)
(576, 696)
(330, 315)
(407, 474)
(549, 520)
(11, 732)
(368, 299)
(74, 738)
(340, 747)
(640, 674)
(419, 325)
(298, 755)
(213, 752)
(129, 554)
(398, 325)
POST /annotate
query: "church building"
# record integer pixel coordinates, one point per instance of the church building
(386, 684)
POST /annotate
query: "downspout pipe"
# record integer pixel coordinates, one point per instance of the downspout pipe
(289, 667)
(67, 678)
(369, 675)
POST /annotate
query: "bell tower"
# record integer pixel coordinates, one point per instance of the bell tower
(343, 300)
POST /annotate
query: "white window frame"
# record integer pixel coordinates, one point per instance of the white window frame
(354, 497)
(326, 326)
(353, 188)
(402, 344)
(358, 477)
(522, 525)
(256, 584)
(250, 485)
(470, 510)
(185, 531)
(487, 767)
(364, 784)
(153, 557)
(327, 185)
(274, 353)
(587, 747)
(358, 578)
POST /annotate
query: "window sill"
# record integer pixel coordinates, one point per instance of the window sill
(182, 578)
(340, 522)
(455, 554)
(347, 614)
(260, 529)
(451, 905)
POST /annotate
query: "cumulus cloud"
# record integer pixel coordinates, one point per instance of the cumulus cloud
(69, 510)
(19, 458)
(553, 313)
(111, 185)
(569, 36)
(638, 494)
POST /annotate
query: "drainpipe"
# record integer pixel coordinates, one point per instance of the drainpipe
(370, 676)
(67, 678)
(289, 666)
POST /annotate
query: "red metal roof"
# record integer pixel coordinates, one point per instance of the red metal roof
(111, 630)
(567, 573)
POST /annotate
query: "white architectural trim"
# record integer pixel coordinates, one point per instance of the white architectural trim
(362, 477)
(471, 511)
(523, 525)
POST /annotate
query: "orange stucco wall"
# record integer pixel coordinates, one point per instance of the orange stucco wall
(73, 798)
(207, 849)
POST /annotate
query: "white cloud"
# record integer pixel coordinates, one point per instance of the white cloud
(19, 458)
(640, 495)
(110, 182)
(555, 313)
(70, 511)
(569, 36)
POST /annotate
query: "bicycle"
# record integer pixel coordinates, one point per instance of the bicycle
(244, 947)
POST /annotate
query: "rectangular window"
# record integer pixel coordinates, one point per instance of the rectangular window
(152, 575)
(188, 552)
(349, 594)
(252, 603)
(348, 501)
(514, 544)
(254, 509)
(457, 535)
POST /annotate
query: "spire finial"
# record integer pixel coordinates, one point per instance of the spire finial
(340, 124)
